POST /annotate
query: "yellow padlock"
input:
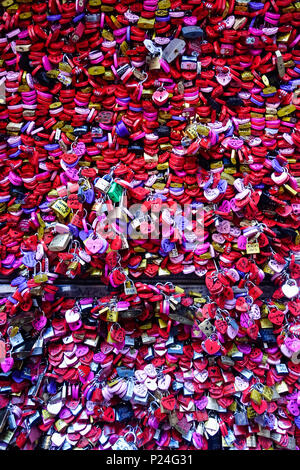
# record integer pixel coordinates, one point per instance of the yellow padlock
(255, 396)
(61, 207)
(112, 316)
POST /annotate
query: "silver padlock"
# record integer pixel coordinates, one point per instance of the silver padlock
(188, 62)
(104, 184)
(16, 340)
(173, 49)
(192, 32)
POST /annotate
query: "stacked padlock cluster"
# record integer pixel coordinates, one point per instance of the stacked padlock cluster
(143, 144)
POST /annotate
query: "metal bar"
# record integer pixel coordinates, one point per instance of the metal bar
(88, 289)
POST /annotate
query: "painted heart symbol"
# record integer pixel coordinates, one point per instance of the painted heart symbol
(212, 347)
(168, 403)
(7, 364)
(277, 317)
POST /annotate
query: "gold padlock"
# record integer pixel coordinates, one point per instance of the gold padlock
(112, 316)
(61, 207)
(255, 396)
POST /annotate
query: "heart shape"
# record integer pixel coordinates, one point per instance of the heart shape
(242, 242)
(81, 350)
(140, 390)
(116, 243)
(160, 97)
(140, 375)
(221, 326)
(290, 289)
(168, 403)
(277, 317)
(255, 312)
(164, 382)
(260, 409)
(212, 347)
(240, 384)
(39, 323)
(223, 78)
(150, 371)
(7, 364)
(211, 194)
(231, 332)
(245, 320)
(109, 415)
(224, 227)
(94, 245)
(201, 376)
(57, 439)
(253, 331)
(202, 402)
(72, 316)
(151, 384)
(293, 408)
(212, 426)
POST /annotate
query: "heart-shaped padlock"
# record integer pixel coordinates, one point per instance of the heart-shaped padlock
(160, 96)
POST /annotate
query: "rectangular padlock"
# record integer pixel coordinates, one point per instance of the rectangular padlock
(103, 185)
(60, 242)
(189, 62)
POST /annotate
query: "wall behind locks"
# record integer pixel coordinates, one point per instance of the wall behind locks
(181, 108)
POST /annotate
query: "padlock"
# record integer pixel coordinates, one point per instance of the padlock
(189, 62)
(104, 184)
(60, 242)
(115, 192)
(129, 287)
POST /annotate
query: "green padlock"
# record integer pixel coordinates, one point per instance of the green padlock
(115, 192)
